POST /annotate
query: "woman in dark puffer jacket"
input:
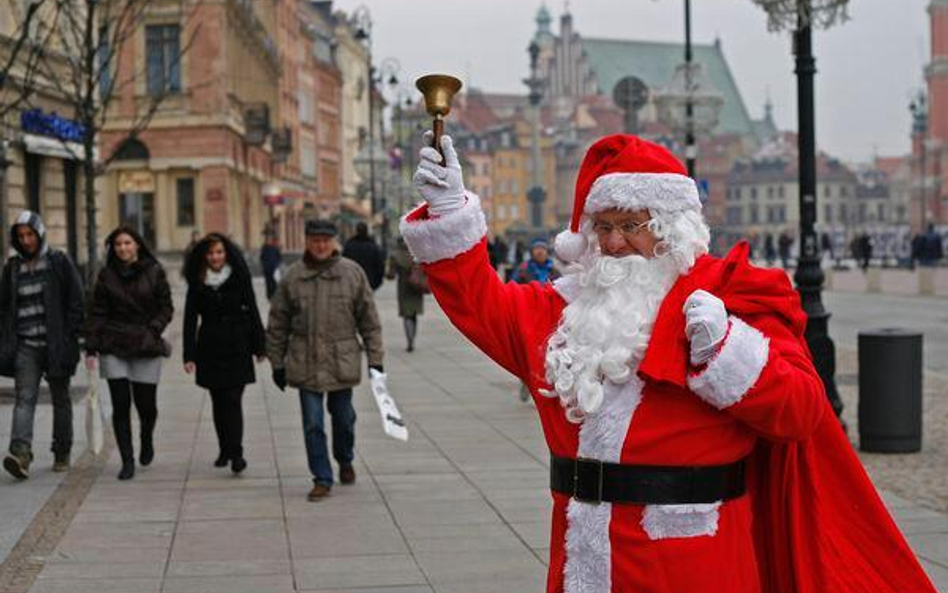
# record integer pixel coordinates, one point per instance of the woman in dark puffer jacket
(221, 349)
(130, 308)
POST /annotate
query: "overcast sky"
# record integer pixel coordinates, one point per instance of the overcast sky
(868, 67)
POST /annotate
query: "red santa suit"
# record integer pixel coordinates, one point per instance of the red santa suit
(810, 521)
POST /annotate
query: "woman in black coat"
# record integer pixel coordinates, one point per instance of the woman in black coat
(222, 334)
(130, 308)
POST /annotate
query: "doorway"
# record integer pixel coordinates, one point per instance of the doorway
(137, 210)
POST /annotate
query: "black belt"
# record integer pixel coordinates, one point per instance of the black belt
(590, 480)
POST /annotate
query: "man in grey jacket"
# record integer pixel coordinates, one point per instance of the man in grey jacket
(40, 315)
(321, 308)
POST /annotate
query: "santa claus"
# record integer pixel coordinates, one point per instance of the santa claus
(692, 445)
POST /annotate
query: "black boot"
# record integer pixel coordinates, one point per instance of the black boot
(121, 424)
(128, 469)
(222, 460)
(147, 453)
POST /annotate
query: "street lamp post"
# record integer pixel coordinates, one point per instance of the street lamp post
(802, 15)
(363, 23)
(919, 109)
(691, 151)
(536, 195)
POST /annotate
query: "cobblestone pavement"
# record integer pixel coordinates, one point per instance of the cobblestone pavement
(462, 506)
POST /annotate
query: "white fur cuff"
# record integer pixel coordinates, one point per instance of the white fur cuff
(735, 369)
(448, 236)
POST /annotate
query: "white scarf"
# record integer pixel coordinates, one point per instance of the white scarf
(216, 279)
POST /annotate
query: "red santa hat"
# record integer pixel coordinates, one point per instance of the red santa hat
(628, 173)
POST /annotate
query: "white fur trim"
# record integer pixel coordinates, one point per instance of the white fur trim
(601, 436)
(448, 236)
(667, 192)
(569, 246)
(662, 521)
(735, 369)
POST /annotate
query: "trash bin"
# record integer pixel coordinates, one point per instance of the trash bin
(890, 390)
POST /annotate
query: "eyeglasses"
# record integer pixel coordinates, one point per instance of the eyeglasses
(628, 230)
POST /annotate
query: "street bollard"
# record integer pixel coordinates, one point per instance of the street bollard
(873, 280)
(890, 391)
(926, 281)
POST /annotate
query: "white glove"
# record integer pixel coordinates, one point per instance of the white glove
(705, 325)
(441, 186)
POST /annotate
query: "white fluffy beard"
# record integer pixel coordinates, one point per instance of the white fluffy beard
(605, 329)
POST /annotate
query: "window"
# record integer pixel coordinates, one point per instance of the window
(780, 191)
(733, 215)
(308, 160)
(770, 192)
(754, 214)
(185, 199)
(514, 186)
(880, 212)
(826, 191)
(753, 193)
(514, 212)
(501, 212)
(862, 213)
(843, 214)
(827, 213)
(163, 59)
(306, 107)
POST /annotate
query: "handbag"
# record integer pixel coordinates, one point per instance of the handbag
(418, 279)
(94, 416)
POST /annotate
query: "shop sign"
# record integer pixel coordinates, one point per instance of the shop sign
(34, 121)
(136, 182)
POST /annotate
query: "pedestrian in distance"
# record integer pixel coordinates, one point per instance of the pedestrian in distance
(539, 267)
(784, 243)
(270, 261)
(770, 250)
(222, 335)
(363, 250)
(692, 445)
(130, 309)
(40, 319)
(930, 249)
(412, 287)
(865, 250)
(320, 311)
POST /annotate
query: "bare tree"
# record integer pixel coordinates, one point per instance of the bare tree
(22, 48)
(89, 67)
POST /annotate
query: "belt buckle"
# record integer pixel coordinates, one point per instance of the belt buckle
(587, 462)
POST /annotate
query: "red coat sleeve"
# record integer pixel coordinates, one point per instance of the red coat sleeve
(505, 321)
(763, 376)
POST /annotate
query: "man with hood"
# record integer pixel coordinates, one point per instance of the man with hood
(40, 316)
(692, 444)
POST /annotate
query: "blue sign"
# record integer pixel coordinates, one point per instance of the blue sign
(35, 121)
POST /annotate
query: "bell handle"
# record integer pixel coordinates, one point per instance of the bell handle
(438, 131)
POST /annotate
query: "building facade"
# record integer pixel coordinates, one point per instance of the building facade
(205, 157)
(40, 158)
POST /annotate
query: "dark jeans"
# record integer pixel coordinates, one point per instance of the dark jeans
(271, 282)
(229, 420)
(123, 393)
(30, 366)
(343, 415)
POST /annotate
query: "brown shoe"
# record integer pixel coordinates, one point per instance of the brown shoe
(319, 492)
(347, 475)
(61, 462)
